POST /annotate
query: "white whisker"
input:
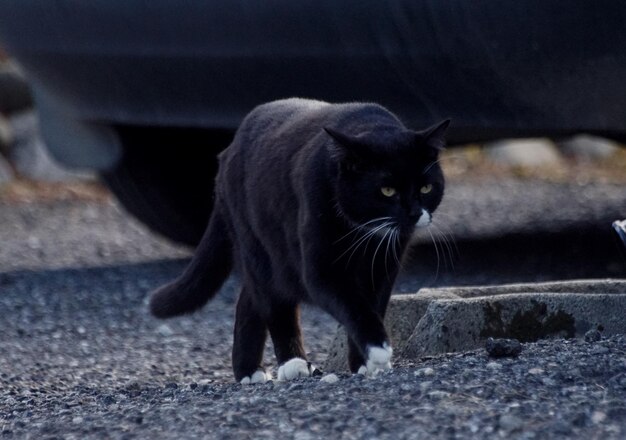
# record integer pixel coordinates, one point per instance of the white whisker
(430, 165)
(449, 236)
(447, 248)
(396, 242)
(374, 257)
(391, 235)
(359, 241)
(359, 227)
(436, 252)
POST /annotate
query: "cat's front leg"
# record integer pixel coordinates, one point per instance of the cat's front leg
(375, 361)
(371, 350)
(332, 289)
(378, 359)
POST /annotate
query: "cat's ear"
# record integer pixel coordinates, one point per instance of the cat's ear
(435, 136)
(343, 139)
(343, 146)
(346, 150)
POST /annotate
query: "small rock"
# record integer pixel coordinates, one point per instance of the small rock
(438, 395)
(599, 349)
(303, 435)
(509, 422)
(503, 347)
(598, 417)
(108, 400)
(494, 366)
(77, 420)
(330, 378)
(589, 147)
(535, 371)
(561, 427)
(593, 336)
(424, 372)
(406, 387)
(165, 330)
(523, 152)
(425, 385)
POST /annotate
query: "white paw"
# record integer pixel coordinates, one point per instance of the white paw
(378, 359)
(259, 376)
(293, 369)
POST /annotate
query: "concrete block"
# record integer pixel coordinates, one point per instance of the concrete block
(465, 324)
(576, 286)
(403, 312)
(434, 321)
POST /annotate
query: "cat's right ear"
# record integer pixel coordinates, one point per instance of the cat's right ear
(342, 147)
(343, 139)
(345, 150)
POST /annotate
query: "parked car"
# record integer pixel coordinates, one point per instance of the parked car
(149, 92)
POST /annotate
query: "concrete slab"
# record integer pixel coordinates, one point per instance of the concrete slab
(434, 321)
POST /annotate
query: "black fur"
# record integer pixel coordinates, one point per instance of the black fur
(296, 194)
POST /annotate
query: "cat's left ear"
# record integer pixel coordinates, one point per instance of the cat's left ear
(435, 136)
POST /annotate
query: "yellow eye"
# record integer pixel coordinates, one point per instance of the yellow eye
(426, 189)
(388, 191)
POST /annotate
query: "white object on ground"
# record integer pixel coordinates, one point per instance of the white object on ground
(293, 369)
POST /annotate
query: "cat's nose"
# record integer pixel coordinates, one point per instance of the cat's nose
(416, 212)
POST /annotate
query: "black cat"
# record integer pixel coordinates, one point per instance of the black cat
(314, 202)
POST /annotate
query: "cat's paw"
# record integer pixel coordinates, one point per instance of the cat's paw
(259, 376)
(295, 368)
(378, 359)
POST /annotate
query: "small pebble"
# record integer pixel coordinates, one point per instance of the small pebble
(330, 378)
(593, 336)
(165, 330)
(535, 371)
(599, 349)
(424, 372)
(598, 417)
(503, 347)
(509, 422)
(438, 395)
(494, 366)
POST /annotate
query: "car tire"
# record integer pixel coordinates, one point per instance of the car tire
(165, 178)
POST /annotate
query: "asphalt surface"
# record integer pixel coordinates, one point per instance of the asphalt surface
(81, 358)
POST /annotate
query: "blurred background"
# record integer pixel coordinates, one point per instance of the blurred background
(111, 118)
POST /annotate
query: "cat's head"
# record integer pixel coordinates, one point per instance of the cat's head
(389, 175)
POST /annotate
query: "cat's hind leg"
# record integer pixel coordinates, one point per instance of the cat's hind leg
(285, 331)
(249, 342)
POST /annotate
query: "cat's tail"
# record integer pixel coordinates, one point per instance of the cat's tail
(209, 267)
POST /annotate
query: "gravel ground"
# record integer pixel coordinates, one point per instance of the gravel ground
(80, 357)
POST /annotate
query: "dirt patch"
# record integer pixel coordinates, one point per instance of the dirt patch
(30, 191)
(470, 164)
